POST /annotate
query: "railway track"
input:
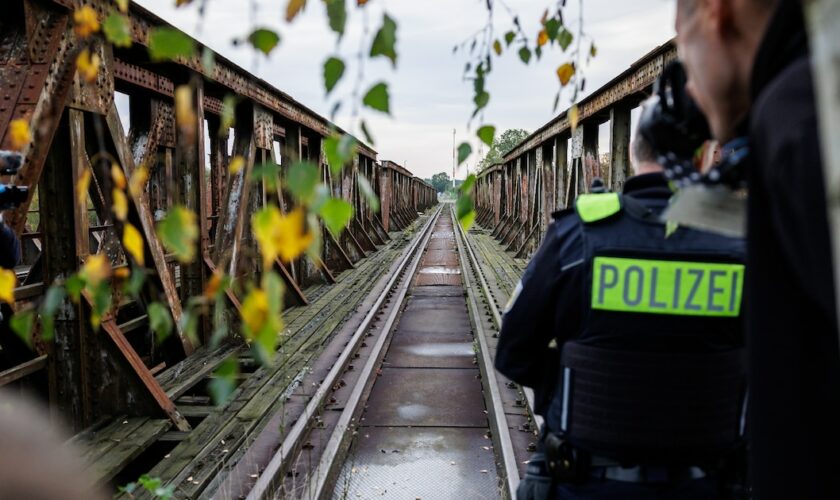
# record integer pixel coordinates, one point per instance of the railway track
(411, 407)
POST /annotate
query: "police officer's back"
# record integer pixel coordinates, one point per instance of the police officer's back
(644, 397)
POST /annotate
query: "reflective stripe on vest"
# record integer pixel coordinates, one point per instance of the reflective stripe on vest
(667, 287)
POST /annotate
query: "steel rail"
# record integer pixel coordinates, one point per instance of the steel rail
(320, 479)
(267, 479)
(497, 318)
(497, 414)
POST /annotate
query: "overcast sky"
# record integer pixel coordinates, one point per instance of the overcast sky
(429, 98)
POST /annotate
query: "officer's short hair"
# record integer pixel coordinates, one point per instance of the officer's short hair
(687, 7)
(642, 151)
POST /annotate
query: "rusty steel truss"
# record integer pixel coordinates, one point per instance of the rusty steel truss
(87, 376)
(543, 173)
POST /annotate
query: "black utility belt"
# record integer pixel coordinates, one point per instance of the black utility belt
(646, 474)
(566, 463)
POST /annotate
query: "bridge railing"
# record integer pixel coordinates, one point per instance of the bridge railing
(75, 123)
(548, 169)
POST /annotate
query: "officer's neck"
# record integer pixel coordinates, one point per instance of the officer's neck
(648, 167)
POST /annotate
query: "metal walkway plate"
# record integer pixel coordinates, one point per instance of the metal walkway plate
(409, 463)
(426, 397)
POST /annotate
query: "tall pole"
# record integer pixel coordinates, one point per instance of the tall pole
(453, 160)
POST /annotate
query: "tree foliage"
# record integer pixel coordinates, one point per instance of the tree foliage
(502, 145)
(441, 182)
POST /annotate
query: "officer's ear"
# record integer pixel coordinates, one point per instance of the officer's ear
(719, 16)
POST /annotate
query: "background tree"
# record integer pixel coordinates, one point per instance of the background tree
(441, 182)
(502, 145)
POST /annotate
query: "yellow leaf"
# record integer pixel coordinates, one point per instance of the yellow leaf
(8, 282)
(19, 133)
(497, 47)
(293, 8)
(565, 73)
(133, 243)
(280, 235)
(137, 183)
(85, 22)
(236, 164)
(88, 65)
(542, 38)
(254, 311)
(82, 186)
(573, 116)
(95, 269)
(213, 285)
(120, 206)
(122, 5)
(117, 176)
(185, 115)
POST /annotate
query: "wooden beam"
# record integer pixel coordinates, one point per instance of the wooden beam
(23, 370)
(147, 223)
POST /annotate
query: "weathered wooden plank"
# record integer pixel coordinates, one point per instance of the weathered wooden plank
(100, 442)
(111, 463)
(23, 370)
(181, 377)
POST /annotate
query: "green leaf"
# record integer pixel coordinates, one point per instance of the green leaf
(135, 282)
(228, 117)
(509, 37)
(481, 99)
(487, 133)
(224, 381)
(366, 133)
(178, 232)
(208, 60)
(159, 321)
(565, 39)
(220, 319)
(467, 184)
(264, 40)
(337, 14)
(117, 29)
(169, 43)
(301, 180)
(336, 214)
(49, 307)
(377, 98)
(74, 286)
(367, 191)
(339, 151)
(552, 27)
(525, 54)
(22, 323)
(268, 172)
(465, 211)
(189, 324)
(385, 40)
(464, 151)
(333, 71)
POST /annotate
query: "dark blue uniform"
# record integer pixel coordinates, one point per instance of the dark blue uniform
(626, 306)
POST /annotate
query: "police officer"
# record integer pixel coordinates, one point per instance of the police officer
(749, 70)
(643, 398)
